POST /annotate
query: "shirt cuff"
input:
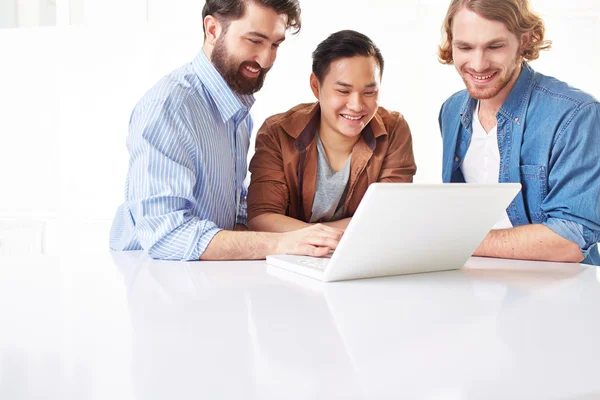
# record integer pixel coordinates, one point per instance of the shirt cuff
(593, 255)
(569, 230)
(202, 242)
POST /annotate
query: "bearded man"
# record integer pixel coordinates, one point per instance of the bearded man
(513, 124)
(188, 142)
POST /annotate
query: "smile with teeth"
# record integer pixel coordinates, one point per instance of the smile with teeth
(253, 70)
(351, 118)
(482, 78)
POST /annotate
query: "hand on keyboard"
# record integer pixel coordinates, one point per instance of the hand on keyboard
(316, 240)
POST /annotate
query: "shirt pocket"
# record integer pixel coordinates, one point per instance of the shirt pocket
(534, 189)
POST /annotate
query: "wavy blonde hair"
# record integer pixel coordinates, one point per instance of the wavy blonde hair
(517, 15)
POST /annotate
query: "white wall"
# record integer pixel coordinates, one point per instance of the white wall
(27, 13)
(66, 92)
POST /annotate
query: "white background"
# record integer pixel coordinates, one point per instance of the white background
(66, 92)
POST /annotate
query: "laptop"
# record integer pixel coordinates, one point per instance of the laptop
(406, 228)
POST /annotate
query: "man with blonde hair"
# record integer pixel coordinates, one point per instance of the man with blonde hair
(513, 124)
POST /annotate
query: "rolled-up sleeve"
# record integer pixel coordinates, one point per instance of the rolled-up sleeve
(572, 205)
(568, 229)
(161, 185)
(268, 191)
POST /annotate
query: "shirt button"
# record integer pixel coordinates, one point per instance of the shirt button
(456, 158)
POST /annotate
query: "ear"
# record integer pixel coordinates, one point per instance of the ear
(314, 85)
(525, 39)
(213, 28)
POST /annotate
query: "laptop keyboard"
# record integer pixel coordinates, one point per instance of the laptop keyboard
(316, 263)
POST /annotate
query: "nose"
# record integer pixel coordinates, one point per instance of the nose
(355, 102)
(479, 63)
(265, 57)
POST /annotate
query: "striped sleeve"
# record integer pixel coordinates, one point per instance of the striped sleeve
(161, 184)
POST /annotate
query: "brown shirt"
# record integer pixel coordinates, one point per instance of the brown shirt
(284, 166)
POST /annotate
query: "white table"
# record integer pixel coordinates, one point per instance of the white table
(121, 326)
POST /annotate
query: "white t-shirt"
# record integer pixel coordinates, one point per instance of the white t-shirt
(482, 161)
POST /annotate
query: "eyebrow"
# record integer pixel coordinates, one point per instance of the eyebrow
(263, 36)
(488, 43)
(344, 84)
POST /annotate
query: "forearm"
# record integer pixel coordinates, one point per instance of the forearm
(316, 240)
(272, 222)
(230, 245)
(529, 242)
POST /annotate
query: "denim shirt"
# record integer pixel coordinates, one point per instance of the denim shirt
(549, 141)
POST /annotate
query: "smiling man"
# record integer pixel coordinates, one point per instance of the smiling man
(513, 124)
(314, 163)
(188, 142)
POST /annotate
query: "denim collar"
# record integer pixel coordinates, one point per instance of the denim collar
(515, 104)
(228, 102)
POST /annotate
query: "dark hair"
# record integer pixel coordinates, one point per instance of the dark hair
(343, 44)
(229, 10)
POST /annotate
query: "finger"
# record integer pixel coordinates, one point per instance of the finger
(320, 251)
(314, 251)
(329, 232)
(325, 235)
(330, 229)
(323, 241)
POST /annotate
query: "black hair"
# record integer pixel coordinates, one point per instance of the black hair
(343, 44)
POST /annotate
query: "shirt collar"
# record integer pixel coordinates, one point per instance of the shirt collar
(228, 102)
(516, 102)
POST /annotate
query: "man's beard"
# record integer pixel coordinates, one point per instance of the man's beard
(478, 93)
(231, 70)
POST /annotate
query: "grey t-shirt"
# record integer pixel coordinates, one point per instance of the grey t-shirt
(331, 188)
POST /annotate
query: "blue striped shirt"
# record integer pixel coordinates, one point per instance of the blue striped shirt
(188, 144)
